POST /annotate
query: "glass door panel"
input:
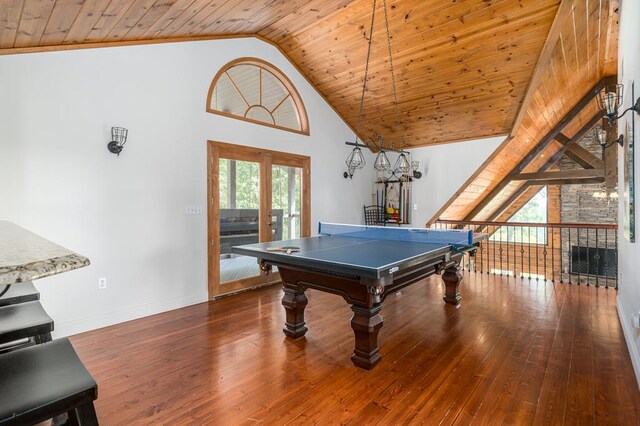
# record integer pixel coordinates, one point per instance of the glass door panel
(239, 198)
(286, 197)
(255, 195)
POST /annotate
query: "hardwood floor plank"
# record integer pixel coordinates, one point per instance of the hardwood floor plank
(580, 403)
(553, 397)
(605, 384)
(516, 351)
(408, 352)
(425, 377)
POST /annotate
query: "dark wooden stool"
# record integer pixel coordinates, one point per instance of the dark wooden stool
(19, 293)
(25, 320)
(44, 381)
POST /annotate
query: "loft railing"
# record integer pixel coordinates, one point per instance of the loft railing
(558, 252)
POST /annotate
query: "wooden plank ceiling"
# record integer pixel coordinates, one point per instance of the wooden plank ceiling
(463, 66)
(582, 49)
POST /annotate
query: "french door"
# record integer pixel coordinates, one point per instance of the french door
(254, 195)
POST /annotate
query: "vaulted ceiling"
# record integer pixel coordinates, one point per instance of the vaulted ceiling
(580, 52)
(462, 66)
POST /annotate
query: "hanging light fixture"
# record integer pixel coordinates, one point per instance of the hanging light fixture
(354, 161)
(382, 162)
(402, 164)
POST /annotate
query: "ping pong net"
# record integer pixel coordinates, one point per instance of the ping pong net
(453, 237)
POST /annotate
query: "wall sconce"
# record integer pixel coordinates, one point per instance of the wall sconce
(118, 139)
(601, 137)
(610, 100)
(415, 165)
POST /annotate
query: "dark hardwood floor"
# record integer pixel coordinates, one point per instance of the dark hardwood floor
(515, 352)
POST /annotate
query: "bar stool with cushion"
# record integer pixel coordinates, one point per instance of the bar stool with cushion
(19, 293)
(45, 381)
(25, 321)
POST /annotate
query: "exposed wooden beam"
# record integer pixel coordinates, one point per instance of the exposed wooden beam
(554, 134)
(564, 11)
(574, 140)
(543, 144)
(528, 184)
(585, 181)
(553, 160)
(584, 157)
(576, 153)
(468, 182)
(562, 138)
(562, 174)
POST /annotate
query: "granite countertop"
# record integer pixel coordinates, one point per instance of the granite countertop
(25, 256)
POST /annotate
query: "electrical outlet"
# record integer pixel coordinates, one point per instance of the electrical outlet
(102, 283)
(415, 207)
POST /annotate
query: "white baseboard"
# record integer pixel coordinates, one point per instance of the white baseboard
(80, 325)
(629, 334)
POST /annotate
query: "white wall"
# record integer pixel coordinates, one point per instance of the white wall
(126, 214)
(629, 254)
(444, 169)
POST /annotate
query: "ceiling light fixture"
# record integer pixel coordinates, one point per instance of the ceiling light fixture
(355, 160)
(402, 164)
(382, 163)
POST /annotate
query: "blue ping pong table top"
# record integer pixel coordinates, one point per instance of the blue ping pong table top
(366, 251)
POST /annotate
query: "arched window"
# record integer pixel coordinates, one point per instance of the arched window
(253, 90)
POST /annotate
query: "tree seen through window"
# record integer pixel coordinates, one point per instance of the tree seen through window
(534, 211)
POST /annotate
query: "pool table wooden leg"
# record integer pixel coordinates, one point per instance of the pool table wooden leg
(294, 302)
(366, 323)
(452, 276)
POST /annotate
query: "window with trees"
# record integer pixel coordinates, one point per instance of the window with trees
(253, 90)
(534, 211)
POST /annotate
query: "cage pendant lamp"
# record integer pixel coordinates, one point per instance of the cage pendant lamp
(354, 161)
(382, 162)
(402, 164)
